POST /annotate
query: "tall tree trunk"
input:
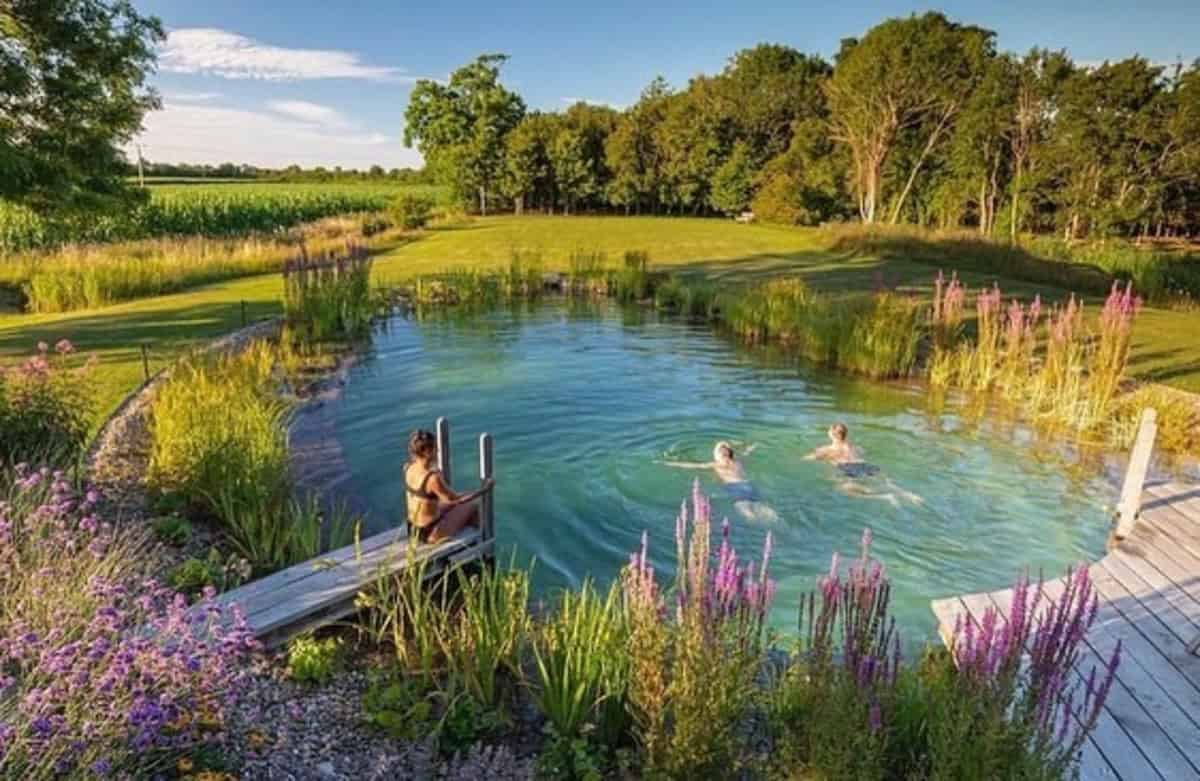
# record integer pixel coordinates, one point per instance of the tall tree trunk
(1014, 227)
(912, 175)
(483, 200)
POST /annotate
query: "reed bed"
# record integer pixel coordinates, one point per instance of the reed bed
(876, 335)
(91, 276)
(327, 296)
(1055, 364)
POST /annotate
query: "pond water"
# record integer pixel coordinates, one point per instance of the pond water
(585, 402)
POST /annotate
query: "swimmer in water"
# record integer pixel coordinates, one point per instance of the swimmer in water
(729, 470)
(848, 461)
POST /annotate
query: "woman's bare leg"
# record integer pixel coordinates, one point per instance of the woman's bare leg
(454, 521)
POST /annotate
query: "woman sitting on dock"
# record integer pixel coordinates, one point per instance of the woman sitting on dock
(435, 511)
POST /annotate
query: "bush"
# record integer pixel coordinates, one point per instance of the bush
(411, 211)
(45, 407)
(314, 661)
(102, 672)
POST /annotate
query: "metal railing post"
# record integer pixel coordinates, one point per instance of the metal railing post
(443, 446)
(487, 517)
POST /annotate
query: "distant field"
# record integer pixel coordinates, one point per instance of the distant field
(208, 209)
(1166, 343)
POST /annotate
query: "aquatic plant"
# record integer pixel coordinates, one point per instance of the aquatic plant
(45, 406)
(327, 296)
(103, 673)
(583, 666)
(693, 677)
(1004, 702)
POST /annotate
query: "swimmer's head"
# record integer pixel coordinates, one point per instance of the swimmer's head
(723, 451)
(838, 432)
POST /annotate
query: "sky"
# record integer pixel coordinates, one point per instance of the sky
(325, 82)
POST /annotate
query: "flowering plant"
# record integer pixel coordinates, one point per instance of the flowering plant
(45, 405)
(101, 671)
(693, 678)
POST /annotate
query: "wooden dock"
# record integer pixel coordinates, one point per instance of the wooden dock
(318, 592)
(1149, 590)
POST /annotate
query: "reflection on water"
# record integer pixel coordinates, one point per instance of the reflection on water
(585, 401)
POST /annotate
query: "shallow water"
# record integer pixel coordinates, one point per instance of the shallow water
(584, 402)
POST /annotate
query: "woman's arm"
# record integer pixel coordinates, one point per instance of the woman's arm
(687, 464)
(447, 495)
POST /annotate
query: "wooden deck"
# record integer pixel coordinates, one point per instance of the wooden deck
(1149, 590)
(323, 590)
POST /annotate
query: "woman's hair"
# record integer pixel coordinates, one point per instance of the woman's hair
(840, 432)
(422, 444)
(721, 448)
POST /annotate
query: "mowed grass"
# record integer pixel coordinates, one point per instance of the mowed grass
(1166, 343)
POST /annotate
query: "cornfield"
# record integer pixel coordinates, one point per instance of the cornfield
(195, 210)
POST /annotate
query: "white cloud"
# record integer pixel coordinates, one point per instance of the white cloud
(204, 50)
(190, 132)
(313, 113)
(190, 97)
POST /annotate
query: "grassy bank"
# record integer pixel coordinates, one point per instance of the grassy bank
(1165, 347)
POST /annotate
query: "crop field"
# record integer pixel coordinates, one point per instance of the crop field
(223, 209)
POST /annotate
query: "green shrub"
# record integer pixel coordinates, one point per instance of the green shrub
(45, 407)
(411, 211)
(399, 706)
(310, 660)
(583, 665)
(174, 529)
(193, 575)
(490, 631)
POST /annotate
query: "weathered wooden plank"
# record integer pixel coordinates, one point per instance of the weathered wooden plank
(342, 584)
(1162, 705)
(1135, 474)
(286, 578)
(1163, 574)
(947, 612)
(1115, 731)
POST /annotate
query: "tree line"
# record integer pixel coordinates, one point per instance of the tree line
(922, 120)
(291, 173)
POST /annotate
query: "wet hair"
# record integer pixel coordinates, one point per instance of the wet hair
(422, 444)
(720, 448)
(840, 432)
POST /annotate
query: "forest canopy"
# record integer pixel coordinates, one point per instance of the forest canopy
(922, 120)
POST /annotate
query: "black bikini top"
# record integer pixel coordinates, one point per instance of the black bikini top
(420, 492)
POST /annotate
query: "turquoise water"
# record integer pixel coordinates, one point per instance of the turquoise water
(583, 403)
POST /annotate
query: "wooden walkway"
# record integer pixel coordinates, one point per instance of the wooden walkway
(323, 590)
(1149, 590)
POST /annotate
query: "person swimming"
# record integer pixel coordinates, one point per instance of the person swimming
(850, 465)
(729, 470)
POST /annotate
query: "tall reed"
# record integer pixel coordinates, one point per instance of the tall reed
(327, 296)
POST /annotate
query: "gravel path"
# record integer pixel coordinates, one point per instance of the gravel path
(285, 731)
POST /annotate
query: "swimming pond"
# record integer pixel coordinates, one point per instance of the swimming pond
(587, 402)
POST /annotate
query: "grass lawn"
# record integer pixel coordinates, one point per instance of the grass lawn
(1166, 344)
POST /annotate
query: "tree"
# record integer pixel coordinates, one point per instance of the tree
(804, 185)
(905, 76)
(528, 177)
(630, 153)
(72, 91)
(1039, 78)
(461, 127)
(732, 183)
(574, 173)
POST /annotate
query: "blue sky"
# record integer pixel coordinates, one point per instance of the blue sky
(326, 83)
